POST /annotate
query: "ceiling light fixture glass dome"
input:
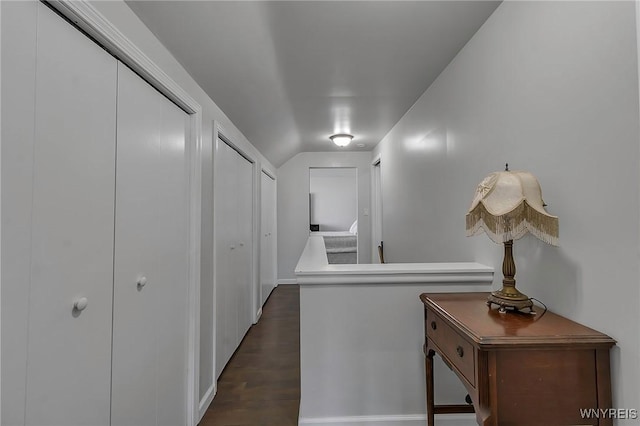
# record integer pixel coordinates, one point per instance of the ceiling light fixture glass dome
(341, 139)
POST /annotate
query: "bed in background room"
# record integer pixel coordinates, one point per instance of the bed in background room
(341, 246)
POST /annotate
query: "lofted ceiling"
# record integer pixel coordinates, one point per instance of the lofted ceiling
(291, 73)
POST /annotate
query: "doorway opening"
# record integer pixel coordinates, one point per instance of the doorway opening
(333, 211)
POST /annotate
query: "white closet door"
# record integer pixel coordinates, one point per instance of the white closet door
(244, 268)
(226, 246)
(69, 350)
(234, 248)
(267, 254)
(172, 244)
(150, 285)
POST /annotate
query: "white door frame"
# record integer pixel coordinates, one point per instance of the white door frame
(376, 218)
(90, 20)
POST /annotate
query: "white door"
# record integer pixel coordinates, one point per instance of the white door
(267, 249)
(151, 267)
(234, 250)
(69, 350)
(244, 265)
(226, 246)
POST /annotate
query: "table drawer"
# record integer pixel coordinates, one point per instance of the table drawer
(458, 351)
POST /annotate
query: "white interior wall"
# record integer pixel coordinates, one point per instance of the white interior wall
(119, 14)
(550, 87)
(293, 204)
(333, 193)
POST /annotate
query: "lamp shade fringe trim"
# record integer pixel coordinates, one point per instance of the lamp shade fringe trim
(514, 224)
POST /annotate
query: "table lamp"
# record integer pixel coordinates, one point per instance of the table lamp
(506, 206)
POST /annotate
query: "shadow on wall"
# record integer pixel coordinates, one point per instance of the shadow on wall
(547, 273)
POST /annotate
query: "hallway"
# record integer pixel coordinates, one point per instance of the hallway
(261, 383)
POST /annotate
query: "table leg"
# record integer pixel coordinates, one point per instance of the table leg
(428, 363)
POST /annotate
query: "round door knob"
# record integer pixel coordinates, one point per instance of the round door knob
(142, 281)
(433, 325)
(460, 351)
(80, 304)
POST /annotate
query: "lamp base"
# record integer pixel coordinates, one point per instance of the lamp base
(509, 296)
(510, 299)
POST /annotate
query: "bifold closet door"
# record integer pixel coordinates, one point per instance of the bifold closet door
(226, 223)
(244, 271)
(267, 248)
(234, 250)
(69, 349)
(151, 264)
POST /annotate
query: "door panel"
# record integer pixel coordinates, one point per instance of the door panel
(69, 351)
(245, 239)
(151, 247)
(19, 30)
(234, 250)
(225, 231)
(134, 326)
(172, 245)
(267, 252)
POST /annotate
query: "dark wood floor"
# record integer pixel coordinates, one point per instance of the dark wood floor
(260, 385)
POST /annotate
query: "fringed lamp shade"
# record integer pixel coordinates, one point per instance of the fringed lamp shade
(506, 206)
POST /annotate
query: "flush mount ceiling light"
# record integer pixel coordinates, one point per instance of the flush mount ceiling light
(341, 139)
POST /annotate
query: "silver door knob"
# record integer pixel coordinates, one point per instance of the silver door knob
(142, 281)
(80, 304)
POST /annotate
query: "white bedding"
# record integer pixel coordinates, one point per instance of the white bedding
(333, 233)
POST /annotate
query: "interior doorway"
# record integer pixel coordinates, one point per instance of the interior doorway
(333, 211)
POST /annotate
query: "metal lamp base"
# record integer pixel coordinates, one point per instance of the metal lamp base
(509, 297)
(505, 302)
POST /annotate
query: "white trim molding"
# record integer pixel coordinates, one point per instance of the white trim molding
(389, 420)
(206, 400)
(287, 281)
(89, 19)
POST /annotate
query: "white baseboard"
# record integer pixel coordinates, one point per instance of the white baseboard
(392, 420)
(287, 281)
(258, 315)
(206, 400)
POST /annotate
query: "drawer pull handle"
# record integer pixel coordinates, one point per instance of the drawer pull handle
(433, 325)
(460, 351)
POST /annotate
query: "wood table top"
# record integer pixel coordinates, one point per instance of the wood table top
(489, 328)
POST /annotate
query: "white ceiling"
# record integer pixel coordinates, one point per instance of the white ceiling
(291, 73)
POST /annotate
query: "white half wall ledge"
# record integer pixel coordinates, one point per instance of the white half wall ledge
(390, 420)
(314, 269)
(287, 281)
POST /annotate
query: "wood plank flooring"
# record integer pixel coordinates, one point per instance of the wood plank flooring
(260, 385)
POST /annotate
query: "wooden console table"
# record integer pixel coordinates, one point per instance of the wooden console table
(519, 369)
